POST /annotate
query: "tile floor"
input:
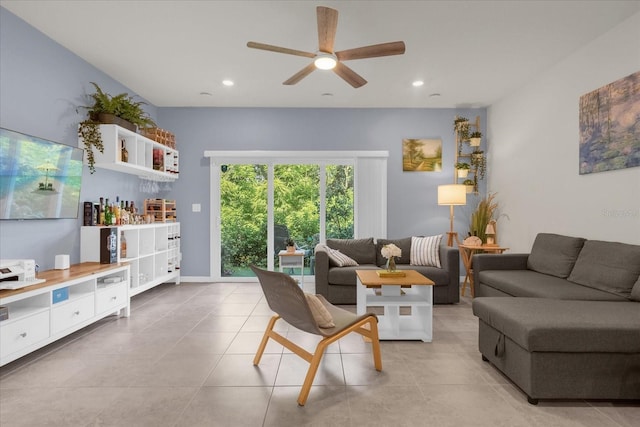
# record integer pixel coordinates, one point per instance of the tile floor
(184, 358)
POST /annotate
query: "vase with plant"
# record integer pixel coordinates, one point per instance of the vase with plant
(290, 244)
(461, 125)
(475, 138)
(479, 162)
(470, 185)
(390, 252)
(485, 211)
(120, 109)
(462, 169)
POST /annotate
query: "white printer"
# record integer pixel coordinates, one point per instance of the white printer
(18, 273)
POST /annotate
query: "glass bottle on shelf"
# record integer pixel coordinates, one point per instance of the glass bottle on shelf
(124, 154)
(123, 246)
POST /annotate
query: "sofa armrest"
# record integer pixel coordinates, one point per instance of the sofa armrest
(322, 270)
(497, 262)
(450, 261)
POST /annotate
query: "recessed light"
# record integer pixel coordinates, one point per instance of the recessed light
(417, 83)
(327, 94)
(434, 95)
(206, 94)
(228, 82)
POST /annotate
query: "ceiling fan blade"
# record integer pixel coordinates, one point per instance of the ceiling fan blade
(262, 46)
(384, 49)
(300, 75)
(349, 76)
(327, 26)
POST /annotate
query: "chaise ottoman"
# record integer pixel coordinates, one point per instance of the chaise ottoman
(562, 349)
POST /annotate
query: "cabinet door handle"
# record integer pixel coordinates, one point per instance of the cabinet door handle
(23, 335)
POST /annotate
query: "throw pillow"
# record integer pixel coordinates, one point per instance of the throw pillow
(554, 254)
(635, 291)
(320, 312)
(363, 251)
(609, 266)
(426, 251)
(339, 259)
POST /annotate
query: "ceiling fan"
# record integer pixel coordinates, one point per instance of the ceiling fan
(326, 58)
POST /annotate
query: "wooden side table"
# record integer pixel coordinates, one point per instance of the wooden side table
(467, 252)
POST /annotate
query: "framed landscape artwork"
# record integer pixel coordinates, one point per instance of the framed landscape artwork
(610, 126)
(422, 155)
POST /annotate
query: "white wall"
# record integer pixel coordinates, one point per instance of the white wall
(533, 151)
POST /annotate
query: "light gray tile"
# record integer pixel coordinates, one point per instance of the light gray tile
(293, 370)
(325, 406)
(238, 370)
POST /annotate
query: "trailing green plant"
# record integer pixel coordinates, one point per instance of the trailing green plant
(479, 162)
(476, 134)
(461, 125)
(468, 182)
(89, 131)
(463, 166)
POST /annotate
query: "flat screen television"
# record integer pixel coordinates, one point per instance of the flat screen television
(39, 179)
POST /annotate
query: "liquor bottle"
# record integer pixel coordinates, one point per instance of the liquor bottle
(107, 213)
(116, 211)
(101, 218)
(124, 154)
(123, 246)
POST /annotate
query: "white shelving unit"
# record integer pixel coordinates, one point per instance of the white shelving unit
(153, 252)
(67, 301)
(141, 154)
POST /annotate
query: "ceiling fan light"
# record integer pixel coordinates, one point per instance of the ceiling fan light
(325, 61)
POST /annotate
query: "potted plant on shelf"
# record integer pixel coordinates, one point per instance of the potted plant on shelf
(462, 169)
(290, 244)
(479, 162)
(461, 125)
(120, 109)
(470, 185)
(474, 138)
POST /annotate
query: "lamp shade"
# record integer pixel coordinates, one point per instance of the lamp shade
(491, 229)
(452, 194)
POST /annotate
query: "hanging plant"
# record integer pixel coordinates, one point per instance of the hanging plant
(461, 125)
(474, 138)
(479, 162)
(89, 131)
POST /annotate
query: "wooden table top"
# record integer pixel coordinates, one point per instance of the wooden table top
(370, 278)
(54, 277)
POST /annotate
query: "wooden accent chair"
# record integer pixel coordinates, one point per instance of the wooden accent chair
(289, 302)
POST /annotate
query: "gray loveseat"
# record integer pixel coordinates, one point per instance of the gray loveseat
(338, 284)
(573, 330)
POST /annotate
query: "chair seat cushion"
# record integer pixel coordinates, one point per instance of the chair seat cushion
(545, 325)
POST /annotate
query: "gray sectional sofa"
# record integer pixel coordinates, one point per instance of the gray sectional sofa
(338, 284)
(573, 329)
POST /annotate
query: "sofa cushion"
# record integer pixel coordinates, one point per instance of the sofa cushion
(538, 324)
(404, 245)
(320, 313)
(527, 283)
(635, 291)
(346, 276)
(426, 251)
(339, 259)
(362, 251)
(554, 254)
(609, 266)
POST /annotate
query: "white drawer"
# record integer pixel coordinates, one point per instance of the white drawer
(111, 298)
(72, 313)
(23, 333)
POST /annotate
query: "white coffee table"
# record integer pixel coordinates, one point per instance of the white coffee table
(413, 290)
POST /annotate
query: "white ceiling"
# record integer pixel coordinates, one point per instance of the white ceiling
(470, 52)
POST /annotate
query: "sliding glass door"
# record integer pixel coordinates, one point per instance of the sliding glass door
(263, 205)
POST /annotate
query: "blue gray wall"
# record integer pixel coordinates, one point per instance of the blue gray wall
(42, 83)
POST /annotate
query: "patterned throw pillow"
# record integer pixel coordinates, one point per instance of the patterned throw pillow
(339, 259)
(319, 311)
(426, 251)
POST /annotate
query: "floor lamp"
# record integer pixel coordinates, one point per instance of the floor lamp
(452, 195)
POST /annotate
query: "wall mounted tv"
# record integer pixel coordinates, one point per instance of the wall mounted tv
(39, 179)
